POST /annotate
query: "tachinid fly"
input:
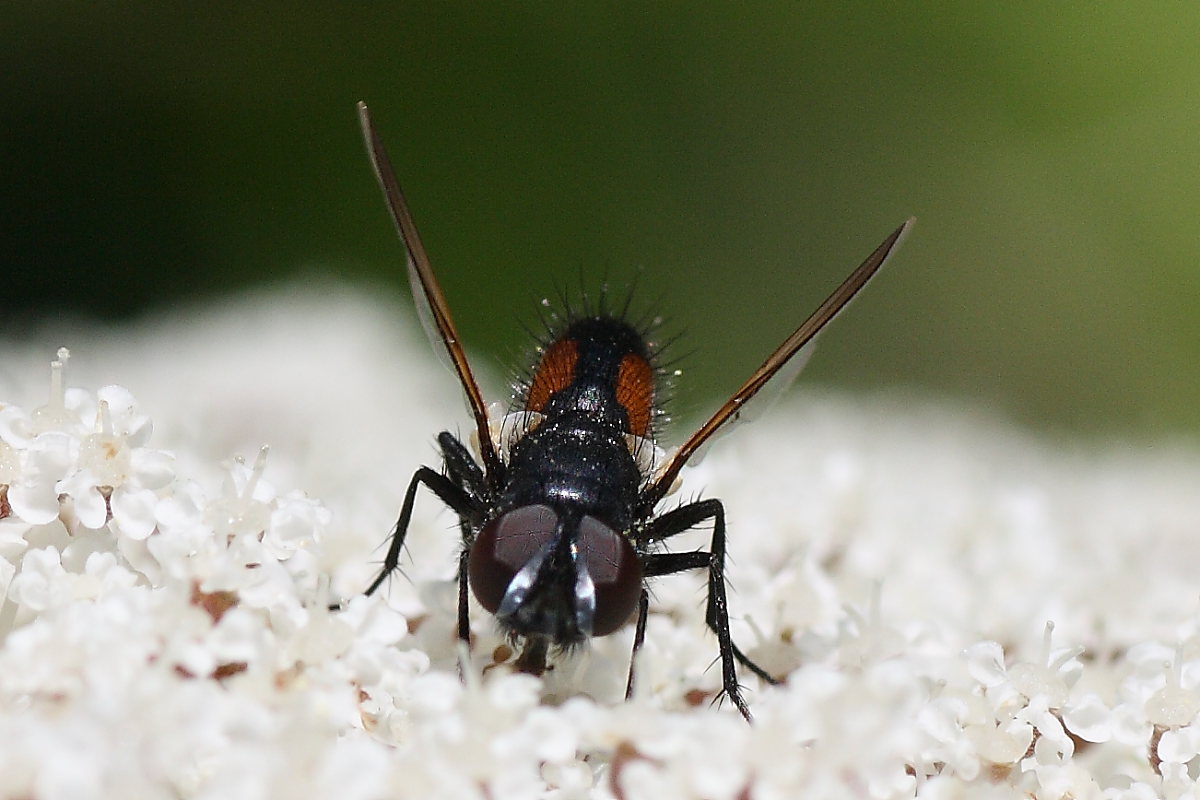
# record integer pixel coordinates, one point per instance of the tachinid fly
(560, 521)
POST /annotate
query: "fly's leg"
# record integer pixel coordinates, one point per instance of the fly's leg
(450, 494)
(462, 489)
(464, 616)
(470, 478)
(463, 469)
(639, 636)
(717, 613)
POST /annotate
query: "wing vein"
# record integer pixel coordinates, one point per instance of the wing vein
(432, 290)
(791, 345)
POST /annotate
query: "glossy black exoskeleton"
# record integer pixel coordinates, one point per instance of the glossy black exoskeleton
(560, 522)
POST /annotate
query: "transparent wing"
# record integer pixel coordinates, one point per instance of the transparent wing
(427, 292)
(767, 396)
(425, 316)
(785, 363)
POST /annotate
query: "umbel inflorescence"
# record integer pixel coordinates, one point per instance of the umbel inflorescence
(958, 611)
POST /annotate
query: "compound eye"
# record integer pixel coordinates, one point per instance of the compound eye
(503, 547)
(616, 573)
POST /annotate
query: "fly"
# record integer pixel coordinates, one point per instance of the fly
(559, 514)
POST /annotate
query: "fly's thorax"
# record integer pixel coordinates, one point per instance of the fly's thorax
(573, 462)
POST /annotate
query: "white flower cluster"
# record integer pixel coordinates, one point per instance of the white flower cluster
(957, 611)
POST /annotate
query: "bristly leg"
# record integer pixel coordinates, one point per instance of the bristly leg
(639, 636)
(717, 613)
(461, 489)
(461, 466)
(447, 492)
(464, 613)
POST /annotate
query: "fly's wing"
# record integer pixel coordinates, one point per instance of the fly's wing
(770, 392)
(425, 314)
(427, 292)
(797, 348)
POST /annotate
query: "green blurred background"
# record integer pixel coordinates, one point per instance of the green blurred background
(743, 158)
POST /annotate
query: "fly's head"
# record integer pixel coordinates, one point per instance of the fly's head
(560, 577)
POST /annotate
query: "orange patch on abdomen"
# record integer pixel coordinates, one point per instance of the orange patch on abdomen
(635, 392)
(555, 373)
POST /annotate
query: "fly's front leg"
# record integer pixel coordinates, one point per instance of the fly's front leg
(447, 492)
(717, 612)
(464, 488)
(639, 636)
(464, 616)
(461, 466)
(461, 489)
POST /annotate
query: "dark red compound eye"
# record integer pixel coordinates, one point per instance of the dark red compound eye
(504, 546)
(507, 544)
(616, 573)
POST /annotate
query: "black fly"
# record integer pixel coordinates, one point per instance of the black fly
(559, 521)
